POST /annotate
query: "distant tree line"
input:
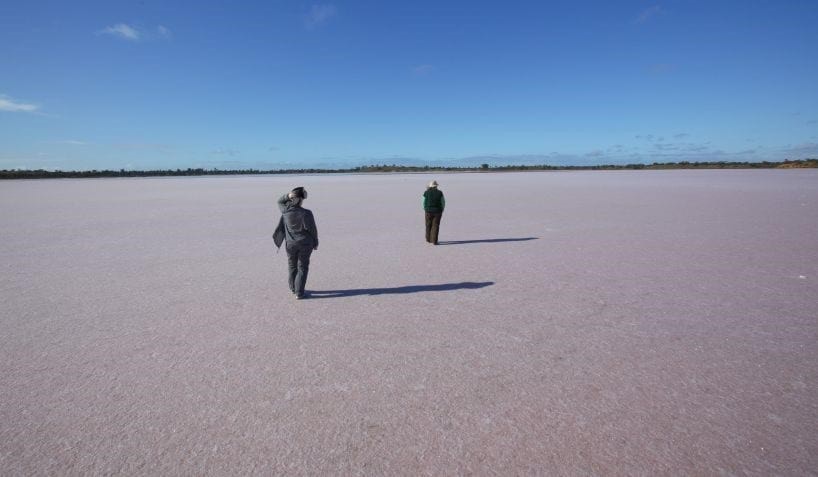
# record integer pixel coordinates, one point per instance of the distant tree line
(44, 174)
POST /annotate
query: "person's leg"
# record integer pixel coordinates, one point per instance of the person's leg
(303, 269)
(429, 227)
(292, 266)
(436, 227)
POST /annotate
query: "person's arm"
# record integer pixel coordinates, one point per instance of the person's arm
(424, 201)
(314, 229)
(442, 202)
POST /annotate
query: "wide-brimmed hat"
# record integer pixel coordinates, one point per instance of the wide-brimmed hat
(433, 184)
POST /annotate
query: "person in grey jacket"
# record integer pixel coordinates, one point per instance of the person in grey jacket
(296, 227)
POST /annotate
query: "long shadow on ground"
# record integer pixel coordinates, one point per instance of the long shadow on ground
(398, 290)
(460, 242)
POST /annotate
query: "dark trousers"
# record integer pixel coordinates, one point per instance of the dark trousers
(433, 226)
(298, 264)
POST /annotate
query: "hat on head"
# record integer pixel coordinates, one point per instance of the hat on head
(433, 184)
(300, 193)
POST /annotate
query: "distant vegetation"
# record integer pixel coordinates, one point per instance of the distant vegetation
(44, 174)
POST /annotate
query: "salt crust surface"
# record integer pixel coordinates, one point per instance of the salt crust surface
(569, 323)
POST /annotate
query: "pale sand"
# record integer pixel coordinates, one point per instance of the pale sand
(652, 323)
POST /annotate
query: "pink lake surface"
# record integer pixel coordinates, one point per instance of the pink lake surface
(609, 323)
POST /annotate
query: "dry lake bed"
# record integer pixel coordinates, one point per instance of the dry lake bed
(607, 323)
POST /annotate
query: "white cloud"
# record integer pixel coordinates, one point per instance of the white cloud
(131, 33)
(223, 151)
(122, 30)
(319, 15)
(9, 104)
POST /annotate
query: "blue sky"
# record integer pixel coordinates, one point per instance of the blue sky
(275, 84)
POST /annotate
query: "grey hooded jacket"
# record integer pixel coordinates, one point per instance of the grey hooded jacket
(296, 225)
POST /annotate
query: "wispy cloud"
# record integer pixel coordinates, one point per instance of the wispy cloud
(14, 106)
(123, 31)
(74, 142)
(802, 151)
(136, 34)
(648, 14)
(650, 137)
(226, 152)
(697, 148)
(319, 15)
(163, 32)
(665, 147)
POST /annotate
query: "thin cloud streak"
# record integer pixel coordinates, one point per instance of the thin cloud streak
(123, 31)
(14, 106)
(225, 152)
(136, 34)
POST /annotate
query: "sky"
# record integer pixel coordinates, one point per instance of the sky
(161, 84)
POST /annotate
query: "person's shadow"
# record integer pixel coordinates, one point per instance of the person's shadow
(496, 240)
(398, 290)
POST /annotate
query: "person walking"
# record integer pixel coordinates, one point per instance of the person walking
(433, 204)
(297, 228)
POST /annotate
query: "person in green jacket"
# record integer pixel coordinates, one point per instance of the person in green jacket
(433, 204)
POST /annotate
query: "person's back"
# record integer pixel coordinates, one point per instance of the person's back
(433, 205)
(433, 200)
(299, 226)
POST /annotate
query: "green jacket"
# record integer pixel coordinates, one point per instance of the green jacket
(433, 200)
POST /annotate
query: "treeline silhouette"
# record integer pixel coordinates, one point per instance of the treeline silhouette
(45, 174)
